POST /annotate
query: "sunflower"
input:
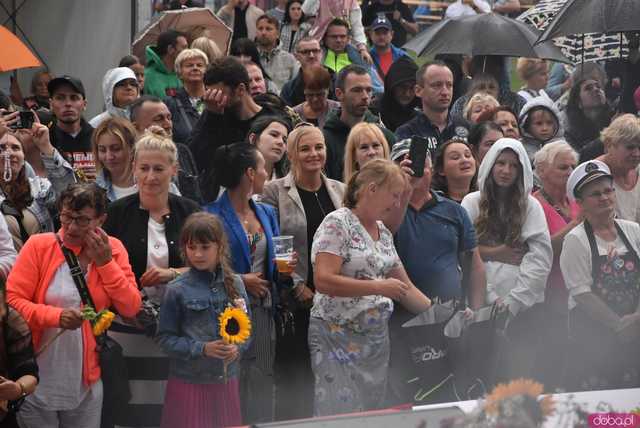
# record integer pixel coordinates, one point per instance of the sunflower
(102, 322)
(520, 387)
(235, 326)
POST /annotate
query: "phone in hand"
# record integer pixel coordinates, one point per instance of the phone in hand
(25, 120)
(418, 155)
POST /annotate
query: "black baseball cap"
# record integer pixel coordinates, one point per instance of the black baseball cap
(66, 80)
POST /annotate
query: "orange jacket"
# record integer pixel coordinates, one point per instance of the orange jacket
(112, 284)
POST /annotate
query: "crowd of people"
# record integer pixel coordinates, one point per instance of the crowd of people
(168, 204)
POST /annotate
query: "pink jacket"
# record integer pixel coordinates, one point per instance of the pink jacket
(110, 285)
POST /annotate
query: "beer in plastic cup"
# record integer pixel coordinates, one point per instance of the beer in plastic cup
(283, 246)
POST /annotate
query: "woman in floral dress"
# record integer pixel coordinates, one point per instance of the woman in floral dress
(357, 276)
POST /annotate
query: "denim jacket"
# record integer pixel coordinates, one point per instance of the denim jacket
(189, 318)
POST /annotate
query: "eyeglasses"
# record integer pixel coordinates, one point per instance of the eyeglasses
(307, 52)
(127, 82)
(315, 94)
(80, 221)
(598, 195)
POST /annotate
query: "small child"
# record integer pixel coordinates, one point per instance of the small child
(540, 124)
(198, 394)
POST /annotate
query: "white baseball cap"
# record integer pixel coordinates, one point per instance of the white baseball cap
(585, 173)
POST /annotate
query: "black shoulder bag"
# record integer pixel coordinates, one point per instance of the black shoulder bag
(115, 378)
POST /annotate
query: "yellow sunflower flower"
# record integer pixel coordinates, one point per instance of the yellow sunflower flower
(526, 387)
(102, 322)
(235, 326)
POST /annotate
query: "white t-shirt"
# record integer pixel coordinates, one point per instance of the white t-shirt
(628, 202)
(121, 192)
(458, 10)
(157, 256)
(575, 259)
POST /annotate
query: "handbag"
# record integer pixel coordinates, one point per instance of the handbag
(115, 377)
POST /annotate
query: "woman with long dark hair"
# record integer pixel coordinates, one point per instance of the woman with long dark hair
(294, 26)
(455, 169)
(269, 135)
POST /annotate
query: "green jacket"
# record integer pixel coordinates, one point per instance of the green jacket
(157, 79)
(335, 136)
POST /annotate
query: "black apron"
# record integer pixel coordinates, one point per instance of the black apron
(597, 359)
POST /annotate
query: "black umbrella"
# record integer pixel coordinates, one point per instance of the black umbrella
(484, 34)
(594, 16)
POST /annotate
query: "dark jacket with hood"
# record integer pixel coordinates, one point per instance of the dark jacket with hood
(183, 115)
(392, 113)
(335, 134)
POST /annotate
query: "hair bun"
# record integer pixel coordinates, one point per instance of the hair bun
(157, 131)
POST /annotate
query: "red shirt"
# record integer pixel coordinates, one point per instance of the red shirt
(385, 61)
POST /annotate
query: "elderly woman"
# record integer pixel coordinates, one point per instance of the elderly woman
(42, 289)
(357, 274)
(186, 104)
(364, 143)
(302, 200)
(317, 82)
(250, 228)
(478, 104)
(148, 223)
(554, 163)
(534, 72)
(514, 242)
(601, 269)
(269, 135)
(27, 202)
(482, 136)
(454, 169)
(621, 142)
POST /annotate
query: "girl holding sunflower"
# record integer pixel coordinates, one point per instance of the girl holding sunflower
(203, 328)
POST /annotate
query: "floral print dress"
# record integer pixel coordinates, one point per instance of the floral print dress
(349, 336)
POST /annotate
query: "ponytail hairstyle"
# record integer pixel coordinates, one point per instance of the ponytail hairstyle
(381, 172)
(206, 228)
(230, 162)
(155, 138)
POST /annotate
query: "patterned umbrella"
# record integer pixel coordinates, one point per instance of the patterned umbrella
(580, 47)
(194, 22)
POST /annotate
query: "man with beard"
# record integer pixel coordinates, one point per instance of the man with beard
(434, 86)
(353, 90)
(230, 111)
(280, 65)
(70, 133)
(399, 102)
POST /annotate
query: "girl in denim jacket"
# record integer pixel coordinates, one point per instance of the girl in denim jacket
(198, 394)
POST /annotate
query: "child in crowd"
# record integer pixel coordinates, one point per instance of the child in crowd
(201, 391)
(539, 124)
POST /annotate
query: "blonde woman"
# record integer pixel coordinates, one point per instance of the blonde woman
(364, 143)
(302, 200)
(621, 142)
(148, 223)
(534, 72)
(478, 104)
(357, 275)
(208, 46)
(186, 104)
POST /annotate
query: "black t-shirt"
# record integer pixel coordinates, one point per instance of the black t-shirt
(76, 149)
(240, 24)
(316, 206)
(373, 9)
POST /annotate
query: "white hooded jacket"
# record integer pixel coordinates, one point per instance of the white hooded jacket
(520, 286)
(111, 78)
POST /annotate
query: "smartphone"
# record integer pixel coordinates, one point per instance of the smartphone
(25, 120)
(418, 155)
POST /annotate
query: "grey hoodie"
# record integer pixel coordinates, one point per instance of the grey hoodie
(111, 78)
(532, 144)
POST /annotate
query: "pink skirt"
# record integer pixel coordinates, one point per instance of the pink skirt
(192, 405)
